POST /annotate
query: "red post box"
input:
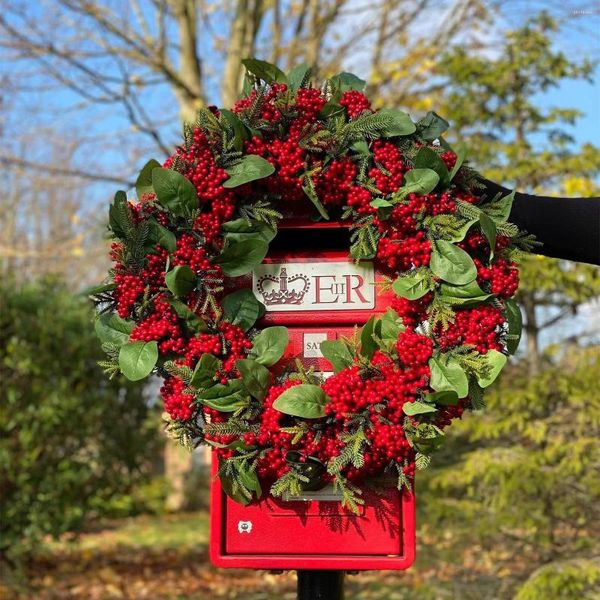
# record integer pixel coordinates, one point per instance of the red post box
(310, 285)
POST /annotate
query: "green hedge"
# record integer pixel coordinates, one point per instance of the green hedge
(71, 442)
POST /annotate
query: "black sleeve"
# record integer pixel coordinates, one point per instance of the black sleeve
(568, 228)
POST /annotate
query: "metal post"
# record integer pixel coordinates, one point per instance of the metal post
(320, 585)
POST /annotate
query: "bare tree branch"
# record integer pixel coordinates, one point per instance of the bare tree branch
(13, 161)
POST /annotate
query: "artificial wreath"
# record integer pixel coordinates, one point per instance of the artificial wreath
(208, 214)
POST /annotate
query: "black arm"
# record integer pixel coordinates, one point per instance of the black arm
(568, 228)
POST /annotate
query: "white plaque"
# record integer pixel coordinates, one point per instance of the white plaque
(311, 343)
(315, 286)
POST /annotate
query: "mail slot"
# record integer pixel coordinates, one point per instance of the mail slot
(319, 293)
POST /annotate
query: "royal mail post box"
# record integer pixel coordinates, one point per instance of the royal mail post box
(309, 284)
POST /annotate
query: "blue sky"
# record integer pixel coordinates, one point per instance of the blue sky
(122, 150)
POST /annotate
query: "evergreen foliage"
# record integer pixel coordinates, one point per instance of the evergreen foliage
(70, 441)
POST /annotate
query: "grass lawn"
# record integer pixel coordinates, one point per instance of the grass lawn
(166, 557)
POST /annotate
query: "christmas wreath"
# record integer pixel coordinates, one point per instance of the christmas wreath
(208, 214)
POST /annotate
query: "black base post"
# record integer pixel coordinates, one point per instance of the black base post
(320, 585)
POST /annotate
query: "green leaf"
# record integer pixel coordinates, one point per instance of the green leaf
(224, 398)
(467, 294)
(448, 375)
(488, 228)
(309, 190)
(110, 328)
(162, 235)
(204, 373)
(337, 353)
(173, 191)
(447, 398)
(417, 408)
(499, 211)
(391, 327)
(263, 70)
(368, 345)
(192, 320)
(242, 308)
(461, 153)
(137, 359)
(98, 289)
(117, 215)
(143, 184)
(229, 487)
(330, 109)
(419, 181)
(181, 280)
(240, 258)
(348, 81)
(514, 320)
(269, 345)
(242, 229)
(240, 131)
(255, 377)
(428, 438)
(429, 159)
(250, 168)
(495, 361)
(414, 285)
(431, 126)
(361, 147)
(399, 123)
(249, 480)
(451, 263)
(381, 203)
(298, 75)
(304, 400)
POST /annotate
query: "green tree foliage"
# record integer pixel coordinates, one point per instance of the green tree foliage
(526, 480)
(492, 104)
(571, 579)
(70, 442)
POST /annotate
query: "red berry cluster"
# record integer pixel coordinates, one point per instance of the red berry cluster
(414, 349)
(479, 327)
(355, 103)
(389, 174)
(502, 276)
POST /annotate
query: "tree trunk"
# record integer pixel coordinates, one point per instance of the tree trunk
(190, 94)
(178, 464)
(242, 36)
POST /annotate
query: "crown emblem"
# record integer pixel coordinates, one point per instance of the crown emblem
(283, 289)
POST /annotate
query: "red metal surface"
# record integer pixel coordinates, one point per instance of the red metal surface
(314, 533)
(276, 534)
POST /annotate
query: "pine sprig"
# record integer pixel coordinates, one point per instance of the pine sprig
(235, 427)
(470, 360)
(261, 211)
(364, 238)
(422, 461)
(445, 226)
(476, 396)
(403, 480)
(252, 116)
(290, 484)
(467, 210)
(351, 494)
(441, 313)
(352, 453)
(180, 371)
(297, 431)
